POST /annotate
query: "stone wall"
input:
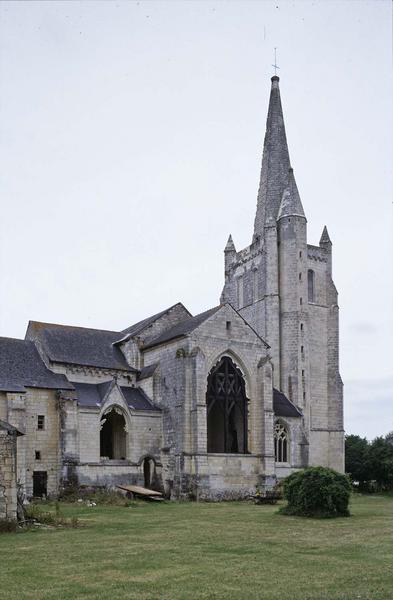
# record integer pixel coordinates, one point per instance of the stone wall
(326, 409)
(38, 449)
(8, 481)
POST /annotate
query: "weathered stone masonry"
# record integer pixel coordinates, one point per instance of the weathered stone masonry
(8, 470)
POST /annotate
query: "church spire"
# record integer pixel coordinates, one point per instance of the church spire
(291, 205)
(230, 247)
(275, 164)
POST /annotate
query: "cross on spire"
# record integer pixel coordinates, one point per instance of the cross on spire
(275, 62)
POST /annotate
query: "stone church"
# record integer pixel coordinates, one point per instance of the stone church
(206, 406)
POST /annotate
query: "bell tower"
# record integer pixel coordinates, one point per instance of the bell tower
(283, 287)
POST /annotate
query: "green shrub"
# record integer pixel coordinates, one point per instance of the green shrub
(109, 497)
(317, 492)
(35, 513)
(97, 495)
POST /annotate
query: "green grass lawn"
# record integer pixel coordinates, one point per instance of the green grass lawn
(190, 550)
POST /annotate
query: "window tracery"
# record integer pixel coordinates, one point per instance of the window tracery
(226, 409)
(281, 443)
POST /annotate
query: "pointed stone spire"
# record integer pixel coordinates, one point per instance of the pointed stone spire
(325, 239)
(230, 247)
(326, 244)
(275, 164)
(229, 254)
(291, 205)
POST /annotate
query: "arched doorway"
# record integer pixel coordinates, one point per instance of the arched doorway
(226, 409)
(113, 436)
(148, 472)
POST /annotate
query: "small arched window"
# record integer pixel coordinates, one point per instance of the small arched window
(311, 285)
(281, 443)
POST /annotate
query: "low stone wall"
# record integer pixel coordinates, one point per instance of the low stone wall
(283, 472)
(109, 475)
(217, 477)
(112, 474)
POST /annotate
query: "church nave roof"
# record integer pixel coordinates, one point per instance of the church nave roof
(78, 345)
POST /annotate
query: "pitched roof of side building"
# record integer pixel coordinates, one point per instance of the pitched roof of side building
(86, 346)
(21, 366)
(10, 428)
(78, 345)
(93, 395)
(283, 407)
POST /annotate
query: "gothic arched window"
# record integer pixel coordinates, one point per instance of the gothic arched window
(311, 285)
(226, 409)
(281, 443)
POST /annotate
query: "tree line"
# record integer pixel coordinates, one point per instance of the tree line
(370, 464)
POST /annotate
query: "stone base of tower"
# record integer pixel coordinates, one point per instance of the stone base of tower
(327, 449)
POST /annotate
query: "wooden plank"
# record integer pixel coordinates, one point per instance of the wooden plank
(139, 491)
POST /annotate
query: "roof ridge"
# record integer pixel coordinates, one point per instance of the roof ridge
(6, 337)
(73, 327)
(198, 315)
(177, 327)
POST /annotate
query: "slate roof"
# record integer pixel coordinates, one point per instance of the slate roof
(79, 345)
(9, 428)
(147, 371)
(283, 407)
(21, 366)
(89, 394)
(141, 325)
(182, 328)
(137, 399)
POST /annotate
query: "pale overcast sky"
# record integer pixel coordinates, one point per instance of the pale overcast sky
(131, 140)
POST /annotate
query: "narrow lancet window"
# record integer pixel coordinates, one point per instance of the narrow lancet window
(255, 285)
(240, 300)
(311, 285)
